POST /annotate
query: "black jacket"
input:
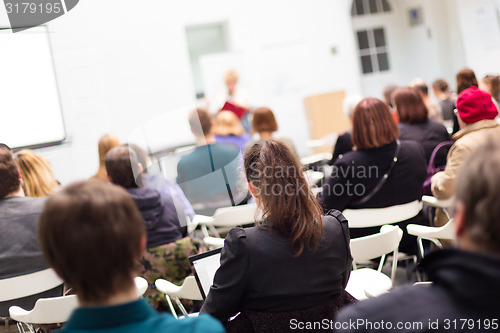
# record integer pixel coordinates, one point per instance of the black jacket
(464, 295)
(358, 172)
(160, 216)
(429, 135)
(259, 271)
(342, 146)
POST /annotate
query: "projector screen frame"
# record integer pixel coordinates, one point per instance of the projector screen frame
(64, 140)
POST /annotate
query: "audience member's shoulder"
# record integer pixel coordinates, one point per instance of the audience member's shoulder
(29, 204)
(202, 323)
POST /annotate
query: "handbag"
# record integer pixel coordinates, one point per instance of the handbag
(432, 169)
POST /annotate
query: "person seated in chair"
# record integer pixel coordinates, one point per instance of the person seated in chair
(464, 294)
(295, 260)
(92, 234)
(167, 247)
(19, 248)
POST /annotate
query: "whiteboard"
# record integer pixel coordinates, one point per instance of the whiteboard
(30, 111)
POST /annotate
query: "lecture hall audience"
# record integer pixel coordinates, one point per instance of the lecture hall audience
(375, 136)
(464, 294)
(92, 234)
(19, 248)
(435, 111)
(278, 266)
(37, 175)
(465, 78)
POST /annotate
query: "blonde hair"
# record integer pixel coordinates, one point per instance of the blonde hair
(37, 175)
(228, 123)
(106, 143)
(231, 74)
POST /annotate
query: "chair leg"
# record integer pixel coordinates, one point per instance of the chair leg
(181, 307)
(171, 306)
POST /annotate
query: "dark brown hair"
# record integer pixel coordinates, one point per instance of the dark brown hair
(90, 233)
(478, 188)
(466, 79)
(200, 121)
(440, 85)
(373, 125)
(286, 200)
(9, 173)
(410, 106)
(264, 120)
(122, 167)
(388, 94)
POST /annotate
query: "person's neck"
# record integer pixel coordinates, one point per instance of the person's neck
(442, 96)
(18, 193)
(265, 135)
(122, 297)
(206, 140)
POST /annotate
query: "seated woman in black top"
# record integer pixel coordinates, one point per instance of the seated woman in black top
(357, 173)
(415, 125)
(296, 259)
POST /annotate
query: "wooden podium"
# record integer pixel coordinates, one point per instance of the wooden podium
(325, 116)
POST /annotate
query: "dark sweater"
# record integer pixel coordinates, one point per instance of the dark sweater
(358, 172)
(429, 135)
(342, 146)
(464, 292)
(160, 216)
(259, 271)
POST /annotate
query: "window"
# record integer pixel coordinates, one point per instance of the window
(366, 7)
(201, 40)
(372, 47)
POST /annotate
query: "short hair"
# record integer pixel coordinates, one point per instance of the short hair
(466, 78)
(387, 92)
(264, 120)
(90, 234)
(9, 174)
(3, 145)
(200, 121)
(38, 178)
(373, 125)
(122, 167)
(228, 123)
(440, 85)
(106, 143)
(478, 188)
(410, 106)
(231, 74)
(420, 85)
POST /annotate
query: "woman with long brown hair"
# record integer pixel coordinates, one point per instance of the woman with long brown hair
(378, 158)
(106, 143)
(295, 259)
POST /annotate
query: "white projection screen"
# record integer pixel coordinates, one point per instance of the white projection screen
(30, 110)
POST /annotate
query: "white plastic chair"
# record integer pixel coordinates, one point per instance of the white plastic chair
(28, 284)
(445, 205)
(188, 290)
(367, 282)
(228, 217)
(56, 309)
(433, 234)
(213, 242)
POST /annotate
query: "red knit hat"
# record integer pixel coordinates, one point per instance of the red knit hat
(474, 105)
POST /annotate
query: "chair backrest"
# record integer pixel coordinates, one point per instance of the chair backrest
(447, 231)
(46, 310)
(188, 290)
(377, 245)
(237, 215)
(28, 284)
(141, 284)
(375, 217)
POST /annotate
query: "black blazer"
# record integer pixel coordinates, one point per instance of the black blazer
(359, 171)
(259, 271)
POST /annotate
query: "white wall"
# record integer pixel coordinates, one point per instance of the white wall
(482, 48)
(120, 61)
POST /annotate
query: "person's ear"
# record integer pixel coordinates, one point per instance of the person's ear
(140, 168)
(459, 220)
(142, 246)
(252, 189)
